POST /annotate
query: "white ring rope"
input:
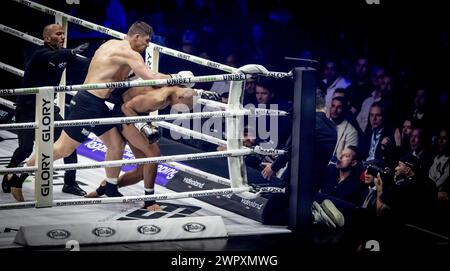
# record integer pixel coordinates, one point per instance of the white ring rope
(7, 103)
(212, 104)
(150, 118)
(131, 199)
(129, 84)
(142, 161)
(21, 35)
(191, 133)
(159, 48)
(11, 69)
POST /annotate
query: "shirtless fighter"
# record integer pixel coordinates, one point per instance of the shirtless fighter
(112, 61)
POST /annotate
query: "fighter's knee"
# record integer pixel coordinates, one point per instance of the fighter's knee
(64, 152)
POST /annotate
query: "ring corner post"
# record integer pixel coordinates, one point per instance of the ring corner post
(43, 185)
(302, 188)
(234, 131)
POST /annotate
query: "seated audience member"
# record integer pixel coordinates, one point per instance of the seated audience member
(272, 131)
(422, 113)
(402, 136)
(369, 194)
(439, 170)
(343, 178)
(332, 80)
(377, 141)
(407, 197)
(347, 134)
(419, 148)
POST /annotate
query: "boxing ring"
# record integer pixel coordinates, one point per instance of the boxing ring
(233, 112)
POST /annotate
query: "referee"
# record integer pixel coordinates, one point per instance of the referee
(44, 68)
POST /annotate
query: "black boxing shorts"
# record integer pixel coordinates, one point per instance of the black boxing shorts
(85, 105)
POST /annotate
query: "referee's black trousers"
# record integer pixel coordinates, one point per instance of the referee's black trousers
(26, 143)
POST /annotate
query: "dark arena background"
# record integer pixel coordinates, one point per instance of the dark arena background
(388, 61)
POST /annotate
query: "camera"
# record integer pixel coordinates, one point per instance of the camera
(386, 173)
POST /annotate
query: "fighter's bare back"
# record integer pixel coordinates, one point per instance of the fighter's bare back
(110, 63)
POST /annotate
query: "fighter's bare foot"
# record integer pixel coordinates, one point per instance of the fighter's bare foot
(100, 191)
(17, 193)
(154, 208)
(93, 194)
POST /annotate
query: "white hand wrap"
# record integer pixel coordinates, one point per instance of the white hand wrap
(253, 69)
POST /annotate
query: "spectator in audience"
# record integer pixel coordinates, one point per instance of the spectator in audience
(343, 178)
(377, 76)
(224, 86)
(347, 135)
(249, 93)
(325, 138)
(381, 92)
(361, 86)
(439, 170)
(340, 92)
(402, 136)
(332, 80)
(377, 142)
(421, 112)
(369, 194)
(418, 143)
(280, 162)
(271, 130)
(410, 197)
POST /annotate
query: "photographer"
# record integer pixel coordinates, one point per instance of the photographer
(408, 196)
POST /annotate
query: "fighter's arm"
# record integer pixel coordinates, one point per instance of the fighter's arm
(139, 67)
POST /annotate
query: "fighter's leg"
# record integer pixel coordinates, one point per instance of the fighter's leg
(129, 178)
(114, 151)
(133, 176)
(70, 183)
(63, 147)
(140, 147)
